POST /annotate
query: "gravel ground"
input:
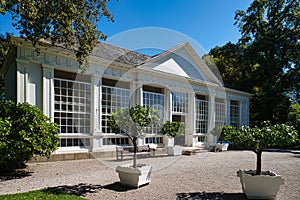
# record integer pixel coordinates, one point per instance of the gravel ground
(202, 176)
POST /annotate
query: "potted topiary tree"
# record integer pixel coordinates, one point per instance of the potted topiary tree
(257, 183)
(132, 122)
(171, 130)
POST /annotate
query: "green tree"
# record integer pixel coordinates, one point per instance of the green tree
(258, 138)
(72, 23)
(133, 122)
(265, 61)
(234, 69)
(24, 131)
(271, 31)
(4, 47)
(294, 117)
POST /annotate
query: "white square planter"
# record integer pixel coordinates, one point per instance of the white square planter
(222, 147)
(260, 187)
(168, 141)
(134, 177)
(174, 151)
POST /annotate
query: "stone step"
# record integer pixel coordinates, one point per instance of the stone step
(193, 150)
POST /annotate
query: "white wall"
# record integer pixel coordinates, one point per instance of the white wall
(35, 85)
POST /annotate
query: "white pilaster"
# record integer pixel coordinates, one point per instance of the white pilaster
(228, 111)
(191, 119)
(168, 105)
(211, 115)
(48, 91)
(192, 113)
(96, 97)
(247, 112)
(136, 93)
(22, 82)
(242, 113)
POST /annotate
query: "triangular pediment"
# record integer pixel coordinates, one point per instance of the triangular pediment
(182, 60)
(172, 67)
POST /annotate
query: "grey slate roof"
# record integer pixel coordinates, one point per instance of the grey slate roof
(118, 54)
(110, 52)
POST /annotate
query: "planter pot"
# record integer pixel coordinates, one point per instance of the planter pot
(222, 147)
(174, 151)
(134, 177)
(260, 187)
(168, 141)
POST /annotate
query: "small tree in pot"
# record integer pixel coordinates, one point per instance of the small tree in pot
(258, 139)
(132, 122)
(173, 129)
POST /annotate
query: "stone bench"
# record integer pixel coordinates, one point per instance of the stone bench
(145, 150)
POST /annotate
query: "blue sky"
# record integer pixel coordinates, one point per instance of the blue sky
(207, 23)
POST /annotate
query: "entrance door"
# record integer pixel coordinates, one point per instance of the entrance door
(179, 140)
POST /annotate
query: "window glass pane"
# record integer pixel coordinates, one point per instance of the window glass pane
(179, 102)
(201, 114)
(220, 116)
(154, 140)
(113, 98)
(72, 104)
(155, 101)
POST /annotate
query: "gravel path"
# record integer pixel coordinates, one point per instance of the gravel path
(202, 176)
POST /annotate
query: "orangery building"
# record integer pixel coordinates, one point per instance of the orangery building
(175, 82)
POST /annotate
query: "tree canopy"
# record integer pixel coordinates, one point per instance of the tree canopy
(266, 60)
(73, 23)
(258, 138)
(133, 122)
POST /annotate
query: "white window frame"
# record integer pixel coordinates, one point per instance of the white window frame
(202, 115)
(179, 102)
(118, 98)
(220, 112)
(72, 111)
(235, 114)
(157, 102)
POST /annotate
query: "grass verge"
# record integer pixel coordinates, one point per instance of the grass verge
(49, 194)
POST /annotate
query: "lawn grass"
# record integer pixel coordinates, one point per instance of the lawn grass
(49, 194)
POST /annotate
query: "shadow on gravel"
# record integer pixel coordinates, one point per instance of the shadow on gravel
(79, 189)
(15, 175)
(211, 196)
(297, 156)
(293, 151)
(139, 157)
(117, 187)
(83, 189)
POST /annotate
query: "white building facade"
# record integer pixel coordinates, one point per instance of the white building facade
(176, 82)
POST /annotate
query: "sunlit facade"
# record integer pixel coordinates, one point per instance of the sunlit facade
(81, 103)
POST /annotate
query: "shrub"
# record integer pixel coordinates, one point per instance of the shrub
(24, 131)
(173, 128)
(294, 117)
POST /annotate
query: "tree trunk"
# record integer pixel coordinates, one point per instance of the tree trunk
(258, 161)
(134, 141)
